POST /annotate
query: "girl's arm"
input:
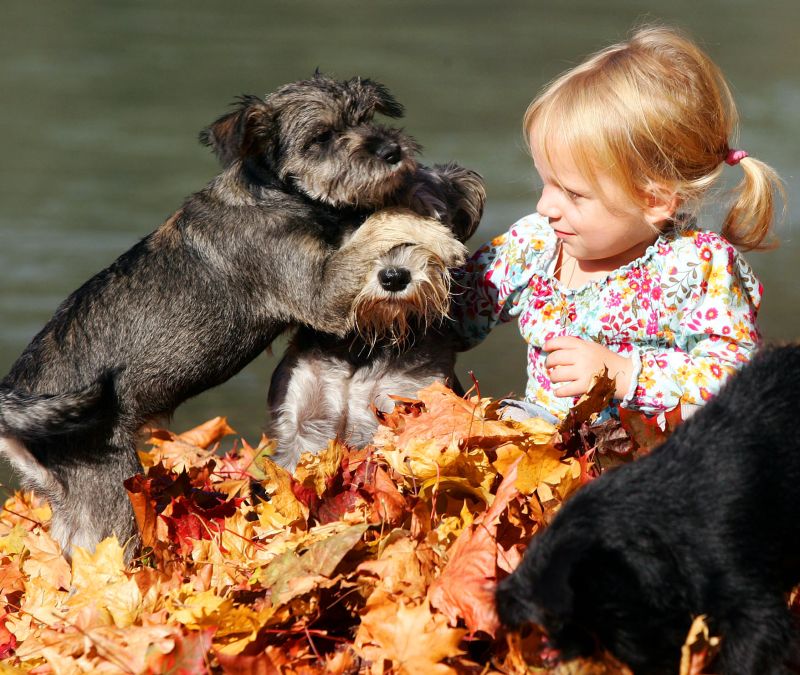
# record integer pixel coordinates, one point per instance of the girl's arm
(716, 333)
(488, 290)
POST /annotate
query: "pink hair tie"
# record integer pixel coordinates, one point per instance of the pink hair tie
(735, 156)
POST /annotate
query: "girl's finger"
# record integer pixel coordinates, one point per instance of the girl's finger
(569, 389)
(562, 374)
(559, 358)
(562, 342)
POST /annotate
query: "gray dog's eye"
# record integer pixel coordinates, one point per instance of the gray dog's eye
(322, 137)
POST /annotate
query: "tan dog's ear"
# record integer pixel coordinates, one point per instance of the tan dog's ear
(245, 131)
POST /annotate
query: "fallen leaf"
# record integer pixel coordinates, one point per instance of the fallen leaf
(410, 636)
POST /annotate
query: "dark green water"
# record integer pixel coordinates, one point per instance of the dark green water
(101, 103)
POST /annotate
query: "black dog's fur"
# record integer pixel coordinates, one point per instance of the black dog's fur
(270, 242)
(708, 523)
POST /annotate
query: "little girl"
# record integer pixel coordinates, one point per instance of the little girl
(610, 270)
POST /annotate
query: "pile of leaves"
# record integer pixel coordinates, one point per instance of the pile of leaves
(374, 560)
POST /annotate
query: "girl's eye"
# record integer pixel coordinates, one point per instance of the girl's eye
(572, 195)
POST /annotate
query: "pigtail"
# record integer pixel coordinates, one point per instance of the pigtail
(748, 224)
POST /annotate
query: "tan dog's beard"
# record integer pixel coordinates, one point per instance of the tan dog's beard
(379, 314)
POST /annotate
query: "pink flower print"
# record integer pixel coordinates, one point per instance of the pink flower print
(614, 300)
(652, 325)
(702, 239)
(712, 314)
(544, 382)
(705, 254)
(716, 371)
(655, 293)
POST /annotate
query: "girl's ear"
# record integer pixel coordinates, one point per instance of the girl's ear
(661, 203)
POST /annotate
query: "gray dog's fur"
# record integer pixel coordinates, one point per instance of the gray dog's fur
(271, 242)
(329, 387)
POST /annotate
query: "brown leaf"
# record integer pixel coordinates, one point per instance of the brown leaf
(599, 396)
(138, 488)
(649, 431)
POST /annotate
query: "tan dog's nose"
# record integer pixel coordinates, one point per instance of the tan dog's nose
(394, 279)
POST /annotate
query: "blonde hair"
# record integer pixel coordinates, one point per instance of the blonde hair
(655, 110)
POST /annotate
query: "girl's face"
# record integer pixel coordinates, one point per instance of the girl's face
(602, 234)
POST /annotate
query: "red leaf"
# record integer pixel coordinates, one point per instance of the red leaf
(8, 642)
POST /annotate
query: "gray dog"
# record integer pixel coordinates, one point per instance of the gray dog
(271, 242)
(327, 386)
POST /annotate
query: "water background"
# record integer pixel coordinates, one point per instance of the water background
(101, 103)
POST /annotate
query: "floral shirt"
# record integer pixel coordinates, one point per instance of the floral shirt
(685, 311)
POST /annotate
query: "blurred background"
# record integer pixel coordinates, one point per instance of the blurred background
(102, 103)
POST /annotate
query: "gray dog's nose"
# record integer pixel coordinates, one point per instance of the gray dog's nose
(389, 152)
(394, 279)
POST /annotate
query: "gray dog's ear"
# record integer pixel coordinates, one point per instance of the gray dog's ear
(379, 97)
(243, 132)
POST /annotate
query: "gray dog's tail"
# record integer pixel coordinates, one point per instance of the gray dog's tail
(30, 417)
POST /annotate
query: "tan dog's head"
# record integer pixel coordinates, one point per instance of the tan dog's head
(409, 286)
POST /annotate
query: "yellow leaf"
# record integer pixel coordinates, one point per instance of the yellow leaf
(414, 639)
(543, 464)
(313, 471)
(46, 561)
(278, 483)
(103, 566)
(14, 541)
(197, 610)
(239, 626)
(539, 431)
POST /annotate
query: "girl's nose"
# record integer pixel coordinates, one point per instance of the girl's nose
(548, 202)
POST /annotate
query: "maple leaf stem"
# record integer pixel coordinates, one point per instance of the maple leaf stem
(24, 517)
(311, 643)
(475, 383)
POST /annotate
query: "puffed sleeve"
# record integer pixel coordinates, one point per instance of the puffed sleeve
(713, 297)
(489, 289)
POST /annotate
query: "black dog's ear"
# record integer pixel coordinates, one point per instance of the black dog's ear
(240, 133)
(380, 99)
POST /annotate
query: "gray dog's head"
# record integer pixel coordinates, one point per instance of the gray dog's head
(318, 137)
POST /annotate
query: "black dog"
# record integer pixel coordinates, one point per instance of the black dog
(271, 242)
(708, 523)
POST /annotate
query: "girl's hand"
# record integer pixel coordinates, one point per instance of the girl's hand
(573, 362)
